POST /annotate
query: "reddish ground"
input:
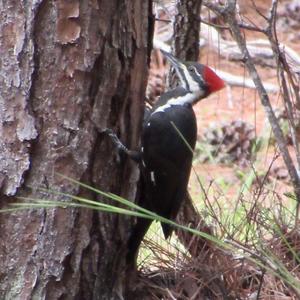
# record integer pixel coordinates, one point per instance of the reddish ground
(235, 103)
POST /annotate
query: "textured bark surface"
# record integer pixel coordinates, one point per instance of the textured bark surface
(66, 66)
(186, 30)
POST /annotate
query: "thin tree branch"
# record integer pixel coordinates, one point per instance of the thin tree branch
(283, 68)
(228, 12)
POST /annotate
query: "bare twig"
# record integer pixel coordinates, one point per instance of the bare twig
(242, 24)
(283, 67)
(257, 10)
(241, 81)
(228, 12)
(263, 271)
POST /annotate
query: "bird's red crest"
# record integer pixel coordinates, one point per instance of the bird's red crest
(214, 82)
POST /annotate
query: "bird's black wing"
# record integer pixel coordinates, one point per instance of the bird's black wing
(167, 159)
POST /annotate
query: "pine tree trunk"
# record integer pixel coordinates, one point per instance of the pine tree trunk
(68, 70)
(187, 29)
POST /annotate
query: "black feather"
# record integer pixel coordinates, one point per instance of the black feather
(168, 157)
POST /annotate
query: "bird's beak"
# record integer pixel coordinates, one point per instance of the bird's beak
(177, 64)
(174, 61)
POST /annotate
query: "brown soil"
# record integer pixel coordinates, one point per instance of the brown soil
(236, 103)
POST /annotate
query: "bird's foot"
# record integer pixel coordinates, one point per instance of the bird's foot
(134, 155)
(116, 141)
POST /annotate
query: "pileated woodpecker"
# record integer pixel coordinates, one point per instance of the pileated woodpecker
(165, 158)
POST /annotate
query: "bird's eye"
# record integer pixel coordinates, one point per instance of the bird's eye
(191, 69)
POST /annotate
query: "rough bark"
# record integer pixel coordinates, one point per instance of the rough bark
(66, 66)
(186, 30)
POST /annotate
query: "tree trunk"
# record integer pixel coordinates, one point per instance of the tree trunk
(69, 69)
(187, 29)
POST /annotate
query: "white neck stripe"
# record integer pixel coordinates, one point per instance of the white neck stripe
(189, 98)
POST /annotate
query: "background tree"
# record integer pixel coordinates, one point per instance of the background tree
(69, 69)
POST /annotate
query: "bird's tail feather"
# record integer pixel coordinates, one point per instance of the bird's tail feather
(167, 230)
(135, 239)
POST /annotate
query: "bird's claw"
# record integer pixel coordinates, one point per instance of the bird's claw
(119, 145)
(121, 148)
(108, 131)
